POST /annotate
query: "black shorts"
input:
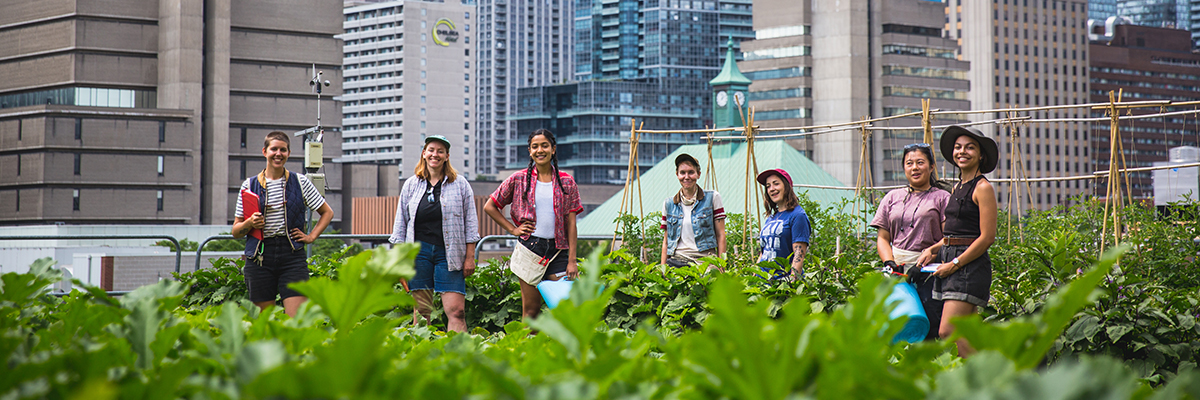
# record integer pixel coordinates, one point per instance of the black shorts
(972, 283)
(280, 266)
(545, 248)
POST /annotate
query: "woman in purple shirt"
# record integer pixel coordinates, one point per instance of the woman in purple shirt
(909, 219)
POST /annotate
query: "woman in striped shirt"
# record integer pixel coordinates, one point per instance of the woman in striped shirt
(437, 210)
(279, 259)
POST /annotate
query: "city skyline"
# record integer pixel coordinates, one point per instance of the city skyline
(195, 112)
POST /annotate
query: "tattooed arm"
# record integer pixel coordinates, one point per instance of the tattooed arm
(799, 251)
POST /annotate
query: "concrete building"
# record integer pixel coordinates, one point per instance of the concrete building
(1029, 54)
(408, 68)
(1147, 63)
(150, 112)
(779, 64)
(520, 43)
(825, 62)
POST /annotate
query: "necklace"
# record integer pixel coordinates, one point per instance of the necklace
(920, 200)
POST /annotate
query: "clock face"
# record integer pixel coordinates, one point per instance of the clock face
(739, 97)
(722, 98)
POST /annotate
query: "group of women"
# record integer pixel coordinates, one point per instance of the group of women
(918, 225)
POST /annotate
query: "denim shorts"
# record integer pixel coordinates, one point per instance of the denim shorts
(280, 266)
(433, 272)
(972, 283)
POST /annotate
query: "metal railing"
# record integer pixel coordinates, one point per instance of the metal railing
(178, 250)
(511, 237)
(200, 249)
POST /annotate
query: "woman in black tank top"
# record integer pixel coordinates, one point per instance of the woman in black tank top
(964, 278)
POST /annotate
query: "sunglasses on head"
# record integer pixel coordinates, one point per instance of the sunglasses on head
(916, 146)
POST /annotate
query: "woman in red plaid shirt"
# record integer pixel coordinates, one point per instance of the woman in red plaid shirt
(544, 202)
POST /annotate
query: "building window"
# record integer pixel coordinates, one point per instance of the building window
(160, 165)
(466, 89)
(243, 138)
(160, 201)
(18, 165)
(75, 200)
(162, 131)
(422, 124)
(78, 163)
(78, 128)
(243, 168)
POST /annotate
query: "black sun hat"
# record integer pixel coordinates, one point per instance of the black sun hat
(991, 153)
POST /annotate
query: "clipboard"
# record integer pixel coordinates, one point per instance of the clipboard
(250, 205)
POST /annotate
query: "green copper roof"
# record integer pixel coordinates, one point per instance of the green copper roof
(729, 163)
(730, 75)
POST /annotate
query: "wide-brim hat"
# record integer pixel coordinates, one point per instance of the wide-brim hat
(685, 157)
(438, 138)
(991, 153)
(762, 176)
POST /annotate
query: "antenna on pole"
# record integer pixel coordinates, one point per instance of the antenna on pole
(313, 148)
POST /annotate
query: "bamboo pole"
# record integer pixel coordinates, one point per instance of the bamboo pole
(625, 192)
(927, 121)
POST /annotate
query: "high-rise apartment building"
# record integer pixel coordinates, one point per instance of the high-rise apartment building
(1146, 63)
(1030, 53)
(408, 74)
(824, 61)
(656, 58)
(153, 111)
(521, 43)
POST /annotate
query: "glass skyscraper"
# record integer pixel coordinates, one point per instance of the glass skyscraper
(647, 61)
(1157, 13)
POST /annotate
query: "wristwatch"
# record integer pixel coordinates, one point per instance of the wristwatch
(955, 262)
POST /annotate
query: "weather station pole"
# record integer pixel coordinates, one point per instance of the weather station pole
(314, 149)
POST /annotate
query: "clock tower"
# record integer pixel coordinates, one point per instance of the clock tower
(730, 88)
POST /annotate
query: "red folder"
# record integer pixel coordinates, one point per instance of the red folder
(249, 207)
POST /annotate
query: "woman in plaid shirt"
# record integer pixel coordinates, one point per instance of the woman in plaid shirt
(437, 210)
(544, 202)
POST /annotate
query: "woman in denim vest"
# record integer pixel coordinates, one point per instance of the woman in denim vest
(437, 210)
(693, 219)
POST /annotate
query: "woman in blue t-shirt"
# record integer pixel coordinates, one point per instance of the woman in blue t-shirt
(786, 231)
